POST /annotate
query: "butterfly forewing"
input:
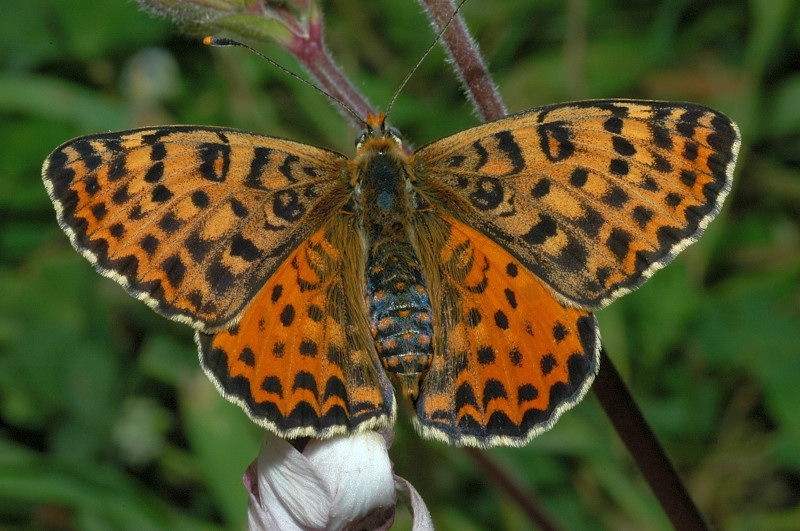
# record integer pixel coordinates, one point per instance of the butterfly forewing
(192, 220)
(592, 197)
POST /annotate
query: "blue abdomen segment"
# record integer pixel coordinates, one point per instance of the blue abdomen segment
(400, 312)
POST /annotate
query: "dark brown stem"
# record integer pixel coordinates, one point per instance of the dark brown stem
(635, 432)
(466, 60)
(526, 501)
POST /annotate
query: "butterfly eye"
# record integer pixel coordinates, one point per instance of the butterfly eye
(396, 135)
(361, 138)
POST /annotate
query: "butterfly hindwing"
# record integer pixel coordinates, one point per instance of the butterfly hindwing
(509, 357)
(191, 220)
(300, 360)
(592, 197)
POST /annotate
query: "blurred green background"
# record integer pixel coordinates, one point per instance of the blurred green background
(106, 420)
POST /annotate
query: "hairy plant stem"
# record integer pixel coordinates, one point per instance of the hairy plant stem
(312, 53)
(466, 60)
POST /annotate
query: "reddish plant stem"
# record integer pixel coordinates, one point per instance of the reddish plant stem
(466, 60)
(279, 11)
(312, 53)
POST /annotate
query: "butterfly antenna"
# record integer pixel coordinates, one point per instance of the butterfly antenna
(219, 42)
(428, 51)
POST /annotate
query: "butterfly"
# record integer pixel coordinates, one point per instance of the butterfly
(465, 274)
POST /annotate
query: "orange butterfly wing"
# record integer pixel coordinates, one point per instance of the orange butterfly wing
(191, 220)
(532, 222)
(592, 197)
(231, 232)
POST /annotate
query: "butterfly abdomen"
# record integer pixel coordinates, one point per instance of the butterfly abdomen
(400, 312)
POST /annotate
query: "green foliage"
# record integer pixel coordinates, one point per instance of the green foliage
(106, 420)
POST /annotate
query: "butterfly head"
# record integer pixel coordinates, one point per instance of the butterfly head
(377, 133)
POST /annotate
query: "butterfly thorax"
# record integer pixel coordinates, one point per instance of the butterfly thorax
(397, 295)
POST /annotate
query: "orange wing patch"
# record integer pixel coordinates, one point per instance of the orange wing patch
(510, 359)
(298, 361)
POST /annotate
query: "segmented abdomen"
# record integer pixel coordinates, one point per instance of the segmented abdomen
(399, 310)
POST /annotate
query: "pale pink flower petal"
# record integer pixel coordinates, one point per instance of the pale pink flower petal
(359, 474)
(337, 483)
(419, 511)
(290, 493)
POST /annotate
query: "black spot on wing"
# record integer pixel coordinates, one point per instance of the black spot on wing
(615, 197)
(161, 194)
(590, 222)
(483, 155)
(158, 151)
(619, 167)
(244, 249)
(200, 199)
(509, 146)
(618, 242)
(578, 177)
(622, 146)
(92, 186)
(247, 357)
(149, 244)
(488, 193)
(555, 142)
(174, 269)
(541, 188)
(121, 195)
(305, 380)
(154, 173)
(117, 168)
(287, 315)
(539, 233)
(99, 211)
(493, 389)
(272, 384)
(215, 160)
(613, 125)
(486, 355)
(168, 222)
(286, 167)
(547, 364)
(286, 205)
(642, 216)
(238, 208)
(258, 162)
(87, 154)
(308, 348)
